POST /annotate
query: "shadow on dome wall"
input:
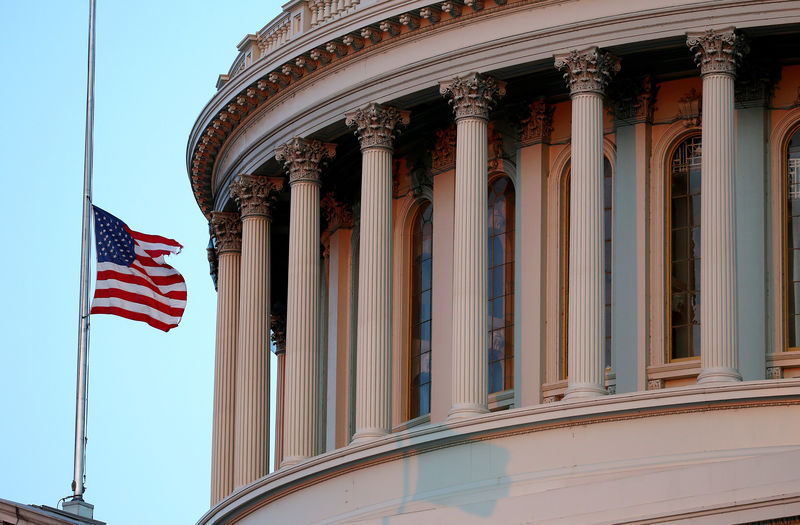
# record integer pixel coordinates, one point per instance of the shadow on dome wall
(470, 476)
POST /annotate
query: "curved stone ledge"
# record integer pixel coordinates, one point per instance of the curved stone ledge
(541, 458)
(272, 78)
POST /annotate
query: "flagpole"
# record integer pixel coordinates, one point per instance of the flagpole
(77, 505)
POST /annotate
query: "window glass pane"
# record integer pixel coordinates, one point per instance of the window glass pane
(421, 277)
(500, 283)
(793, 240)
(685, 248)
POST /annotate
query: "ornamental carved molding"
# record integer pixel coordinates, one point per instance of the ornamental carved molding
(473, 95)
(774, 372)
(303, 158)
(655, 384)
(495, 149)
(717, 51)
(538, 125)
(690, 108)
(255, 194)
(376, 125)
(443, 154)
(337, 214)
(226, 228)
(588, 70)
(278, 336)
(632, 100)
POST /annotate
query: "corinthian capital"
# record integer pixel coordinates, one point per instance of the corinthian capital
(717, 51)
(255, 195)
(377, 125)
(588, 70)
(473, 95)
(226, 227)
(302, 158)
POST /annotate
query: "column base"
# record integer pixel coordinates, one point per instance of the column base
(368, 434)
(584, 390)
(291, 461)
(719, 374)
(466, 410)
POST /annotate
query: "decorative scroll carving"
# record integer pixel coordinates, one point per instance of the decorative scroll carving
(690, 108)
(421, 180)
(473, 95)
(588, 70)
(278, 326)
(611, 389)
(495, 150)
(633, 100)
(717, 51)
(410, 20)
(756, 81)
(774, 372)
(337, 215)
(213, 261)
(226, 228)
(550, 399)
(444, 152)
(393, 28)
(325, 245)
(377, 125)
(655, 384)
(255, 195)
(537, 127)
(302, 158)
(431, 13)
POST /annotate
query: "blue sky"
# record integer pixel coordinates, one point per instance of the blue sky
(150, 393)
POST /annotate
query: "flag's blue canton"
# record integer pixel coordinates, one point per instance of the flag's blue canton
(114, 244)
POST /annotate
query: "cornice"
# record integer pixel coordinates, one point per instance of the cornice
(211, 133)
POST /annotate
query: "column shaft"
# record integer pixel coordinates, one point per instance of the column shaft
(222, 441)
(586, 371)
(718, 309)
(373, 382)
(469, 382)
(251, 457)
(280, 403)
(301, 417)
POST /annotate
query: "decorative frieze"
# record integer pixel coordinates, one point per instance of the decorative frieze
(255, 194)
(587, 70)
(337, 215)
(495, 150)
(443, 154)
(655, 384)
(538, 125)
(226, 227)
(376, 125)
(690, 108)
(717, 51)
(473, 95)
(632, 100)
(303, 158)
(774, 372)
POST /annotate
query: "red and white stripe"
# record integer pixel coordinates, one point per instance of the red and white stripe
(149, 290)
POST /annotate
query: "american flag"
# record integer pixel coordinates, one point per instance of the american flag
(133, 281)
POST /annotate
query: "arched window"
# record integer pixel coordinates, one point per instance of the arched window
(421, 309)
(608, 199)
(792, 217)
(500, 283)
(684, 248)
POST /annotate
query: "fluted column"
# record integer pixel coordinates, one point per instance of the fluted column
(717, 53)
(227, 230)
(587, 72)
(375, 127)
(251, 451)
(471, 97)
(301, 410)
